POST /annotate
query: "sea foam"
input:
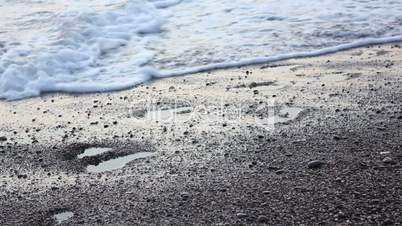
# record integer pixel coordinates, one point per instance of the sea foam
(96, 46)
(279, 57)
(75, 61)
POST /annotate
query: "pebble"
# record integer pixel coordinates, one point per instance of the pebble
(274, 167)
(241, 215)
(388, 160)
(3, 138)
(185, 195)
(315, 164)
(222, 189)
(22, 176)
(262, 219)
(281, 171)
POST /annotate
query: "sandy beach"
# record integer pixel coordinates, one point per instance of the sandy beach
(312, 141)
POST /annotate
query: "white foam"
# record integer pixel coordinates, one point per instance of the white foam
(123, 43)
(280, 57)
(75, 62)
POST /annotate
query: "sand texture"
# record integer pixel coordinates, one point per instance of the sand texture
(314, 141)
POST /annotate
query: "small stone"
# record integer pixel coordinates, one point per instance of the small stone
(315, 164)
(241, 215)
(262, 219)
(185, 195)
(222, 189)
(338, 179)
(388, 222)
(388, 160)
(3, 138)
(22, 176)
(272, 167)
(256, 92)
(281, 171)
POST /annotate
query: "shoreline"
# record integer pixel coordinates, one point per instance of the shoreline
(333, 155)
(284, 57)
(155, 74)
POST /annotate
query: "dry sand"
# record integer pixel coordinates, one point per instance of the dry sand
(305, 141)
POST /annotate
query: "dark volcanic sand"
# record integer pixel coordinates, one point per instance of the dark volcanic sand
(338, 162)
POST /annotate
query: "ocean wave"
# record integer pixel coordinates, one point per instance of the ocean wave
(129, 42)
(73, 63)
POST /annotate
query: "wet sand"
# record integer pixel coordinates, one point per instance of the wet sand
(314, 141)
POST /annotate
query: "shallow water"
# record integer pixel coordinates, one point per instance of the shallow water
(89, 45)
(117, 163)
(93, 152)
